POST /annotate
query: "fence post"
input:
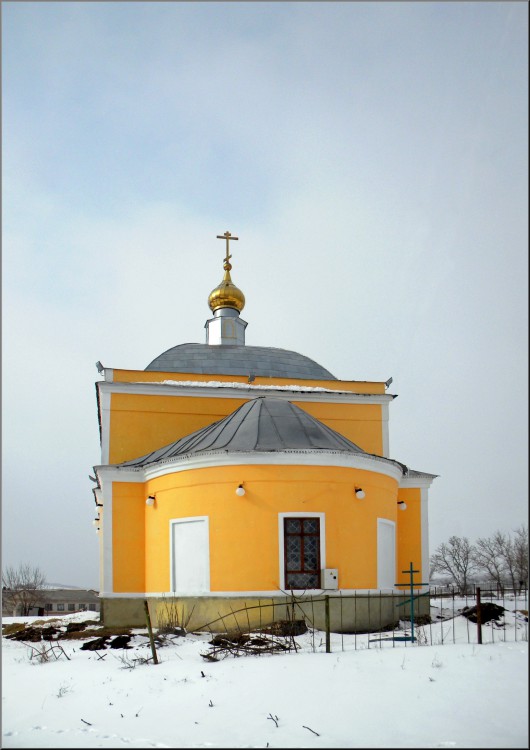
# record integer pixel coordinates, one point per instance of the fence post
(150, 631)
(515, 618)
(328, 638)
(479, 617)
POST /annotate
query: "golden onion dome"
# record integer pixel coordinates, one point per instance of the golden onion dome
(226, 294)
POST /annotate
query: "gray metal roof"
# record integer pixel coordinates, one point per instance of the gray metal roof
(262, 424)
(85, 596)
(239, 360)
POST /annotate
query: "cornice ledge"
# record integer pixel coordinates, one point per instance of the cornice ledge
(307, 457)
(297, 393)
(417, 480)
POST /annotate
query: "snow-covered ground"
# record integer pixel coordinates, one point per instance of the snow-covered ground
(367, 693)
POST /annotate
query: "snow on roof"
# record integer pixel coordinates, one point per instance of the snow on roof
(222, 384)
(61, 586)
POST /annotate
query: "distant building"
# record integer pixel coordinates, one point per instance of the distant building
(54, 602)
(234, 474)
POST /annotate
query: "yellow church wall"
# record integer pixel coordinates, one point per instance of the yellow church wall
(409, 536)
(140, 423)
(151, 376)
(244, 532)
(128, 536)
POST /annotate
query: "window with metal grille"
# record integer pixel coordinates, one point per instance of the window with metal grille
(302, 553)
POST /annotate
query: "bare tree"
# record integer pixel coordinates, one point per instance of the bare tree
(491, 555)
(520, 554)
(456, 559)
(504, 558)
(22, 587)
(510, 563)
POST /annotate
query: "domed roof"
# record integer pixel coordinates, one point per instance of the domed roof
(263, 424)
(239, 360)
(226, 294)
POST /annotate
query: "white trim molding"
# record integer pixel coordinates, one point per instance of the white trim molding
(425, 561)
(281, 542)
(104, 405)
(417, 480)
(363, 461)
(242, 594)
(229, 390)
(384, 427)
(106, 532)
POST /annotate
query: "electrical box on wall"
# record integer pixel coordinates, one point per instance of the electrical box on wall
(330, 578)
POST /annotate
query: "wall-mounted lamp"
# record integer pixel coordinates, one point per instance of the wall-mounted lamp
(95, 521)
(240, 490)
(360, 493)
(402, 505)
(150, 500)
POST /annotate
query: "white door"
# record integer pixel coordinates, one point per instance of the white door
(386, 554)
(190, 556)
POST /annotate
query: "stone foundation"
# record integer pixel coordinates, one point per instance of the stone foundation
(349, 613)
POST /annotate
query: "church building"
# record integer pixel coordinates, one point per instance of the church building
(233, 476)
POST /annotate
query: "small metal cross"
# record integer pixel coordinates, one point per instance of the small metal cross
(227, 236)
(413, 584)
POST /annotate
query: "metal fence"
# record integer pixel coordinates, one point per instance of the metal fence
(451, 618)
(492, 589)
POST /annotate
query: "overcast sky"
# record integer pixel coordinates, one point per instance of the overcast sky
(372, 158)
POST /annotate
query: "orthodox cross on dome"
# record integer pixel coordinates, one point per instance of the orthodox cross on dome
(227, 236)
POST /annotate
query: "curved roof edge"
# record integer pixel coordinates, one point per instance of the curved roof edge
(308, 457)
